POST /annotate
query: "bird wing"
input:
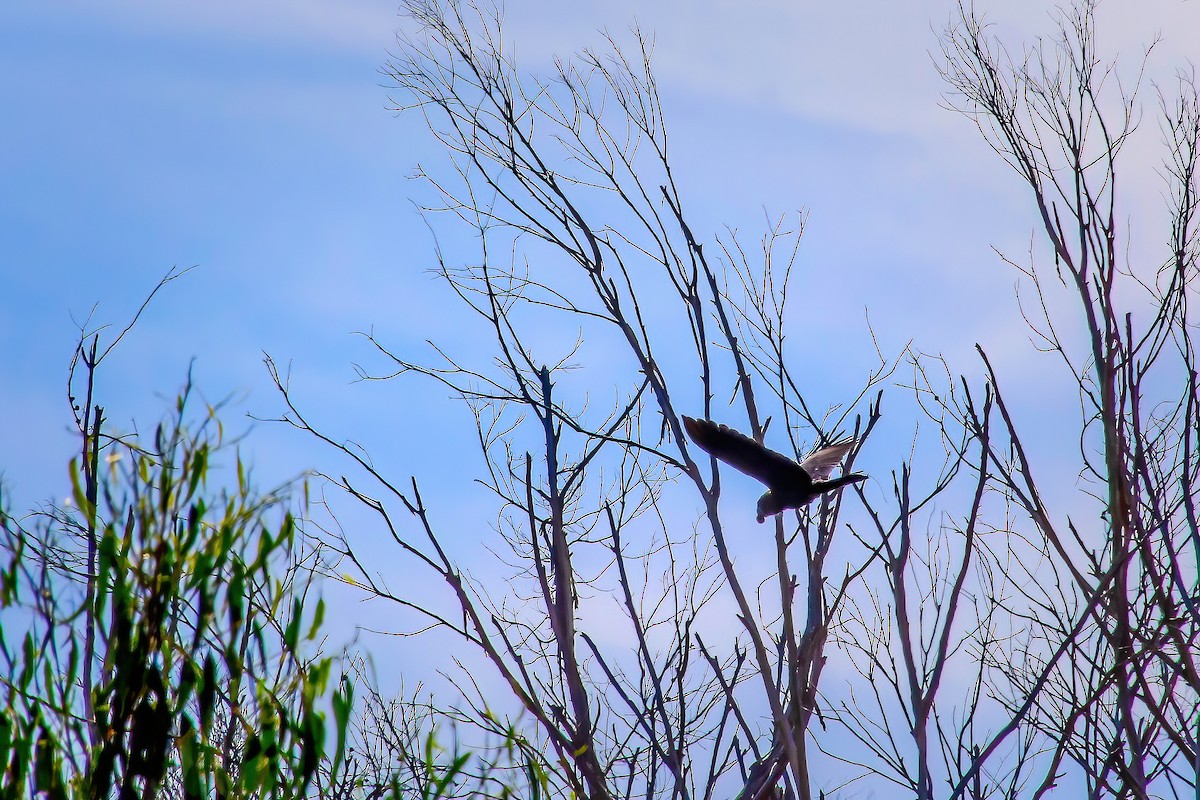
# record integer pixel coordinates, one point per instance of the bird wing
(743, 453)
(821, 462)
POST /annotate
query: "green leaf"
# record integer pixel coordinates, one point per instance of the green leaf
(343, 704)
(318, 620)
(199, 468)
(47, 775)
(78, 493)
(292, 633)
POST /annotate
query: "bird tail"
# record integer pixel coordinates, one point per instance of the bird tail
(828, 486)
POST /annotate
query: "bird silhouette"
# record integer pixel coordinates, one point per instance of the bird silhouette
(789, 484)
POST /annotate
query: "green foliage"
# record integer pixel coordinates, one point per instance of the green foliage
(157, 635)
(158, 638)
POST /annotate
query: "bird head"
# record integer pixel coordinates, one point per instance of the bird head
(768, 504)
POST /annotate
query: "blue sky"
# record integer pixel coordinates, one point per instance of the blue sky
(254, 139)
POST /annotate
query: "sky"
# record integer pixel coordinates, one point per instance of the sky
(255, 140)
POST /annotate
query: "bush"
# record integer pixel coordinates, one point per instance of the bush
(159, 637)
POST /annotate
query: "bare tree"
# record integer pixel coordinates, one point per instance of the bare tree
(994, 644)
(569, 180)
(1107, 668)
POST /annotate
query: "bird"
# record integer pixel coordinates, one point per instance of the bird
(789, 484)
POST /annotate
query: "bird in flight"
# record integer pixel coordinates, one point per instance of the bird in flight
(789, 485)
